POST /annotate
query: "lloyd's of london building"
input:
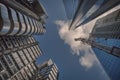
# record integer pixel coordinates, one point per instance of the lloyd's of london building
(19, 21)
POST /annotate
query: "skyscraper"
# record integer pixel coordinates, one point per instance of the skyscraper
(19, 20)
(48, 71)
(108, 26)
(87, 10)
(70, 7)
(104, 39)
(107, 32)
(17, 57)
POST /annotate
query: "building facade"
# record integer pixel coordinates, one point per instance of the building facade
(17, 57)
(47, 71)
(21, 19)
(107, 32)
(108, 26)
(109, 62)
(70, 7)
(105, 42)
(88, 10)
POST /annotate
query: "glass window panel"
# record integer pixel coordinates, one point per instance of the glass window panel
(23, 57)
(17, 59)
(31, 53)
(51, 77)
(28, 55)
(1, 67)
(34, 52)
(9, 60)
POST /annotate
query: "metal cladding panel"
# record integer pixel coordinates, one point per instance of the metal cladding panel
(15, 23)
(5, 24)
(22, 22)
(35, 26)
(32, 26)
(28, 30)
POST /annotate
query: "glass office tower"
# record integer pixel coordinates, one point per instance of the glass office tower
(105, 41)
(108, 26)
(70, 8)
(87, 10)
(107, 32)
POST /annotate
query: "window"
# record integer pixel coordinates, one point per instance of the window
(30, 39)
(52, 74)
(14, 42)
(27, 54)
(1, 67)
(0, 46)
(24, 40)
(17, 59)
(31, 53)
(118, 17)
(14, 69)
(1, 78)
(9, 60)
(28, 71)
(8, 43)
(23, 57)
(31, 69)
(33, 39)
(3, 62)
(19, 76)
(33, 66)
(50, 77)
(20, 41)
(5, 76)
(24, 74)
(4, 46)
(34, 52)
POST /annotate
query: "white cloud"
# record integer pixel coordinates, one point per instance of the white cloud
(88, 59)
(69, 35)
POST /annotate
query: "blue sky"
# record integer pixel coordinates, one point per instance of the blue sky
(71, 66)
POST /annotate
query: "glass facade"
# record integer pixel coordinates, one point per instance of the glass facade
(70, 7)
(106, 32)
(86, 10)
(110, 63)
